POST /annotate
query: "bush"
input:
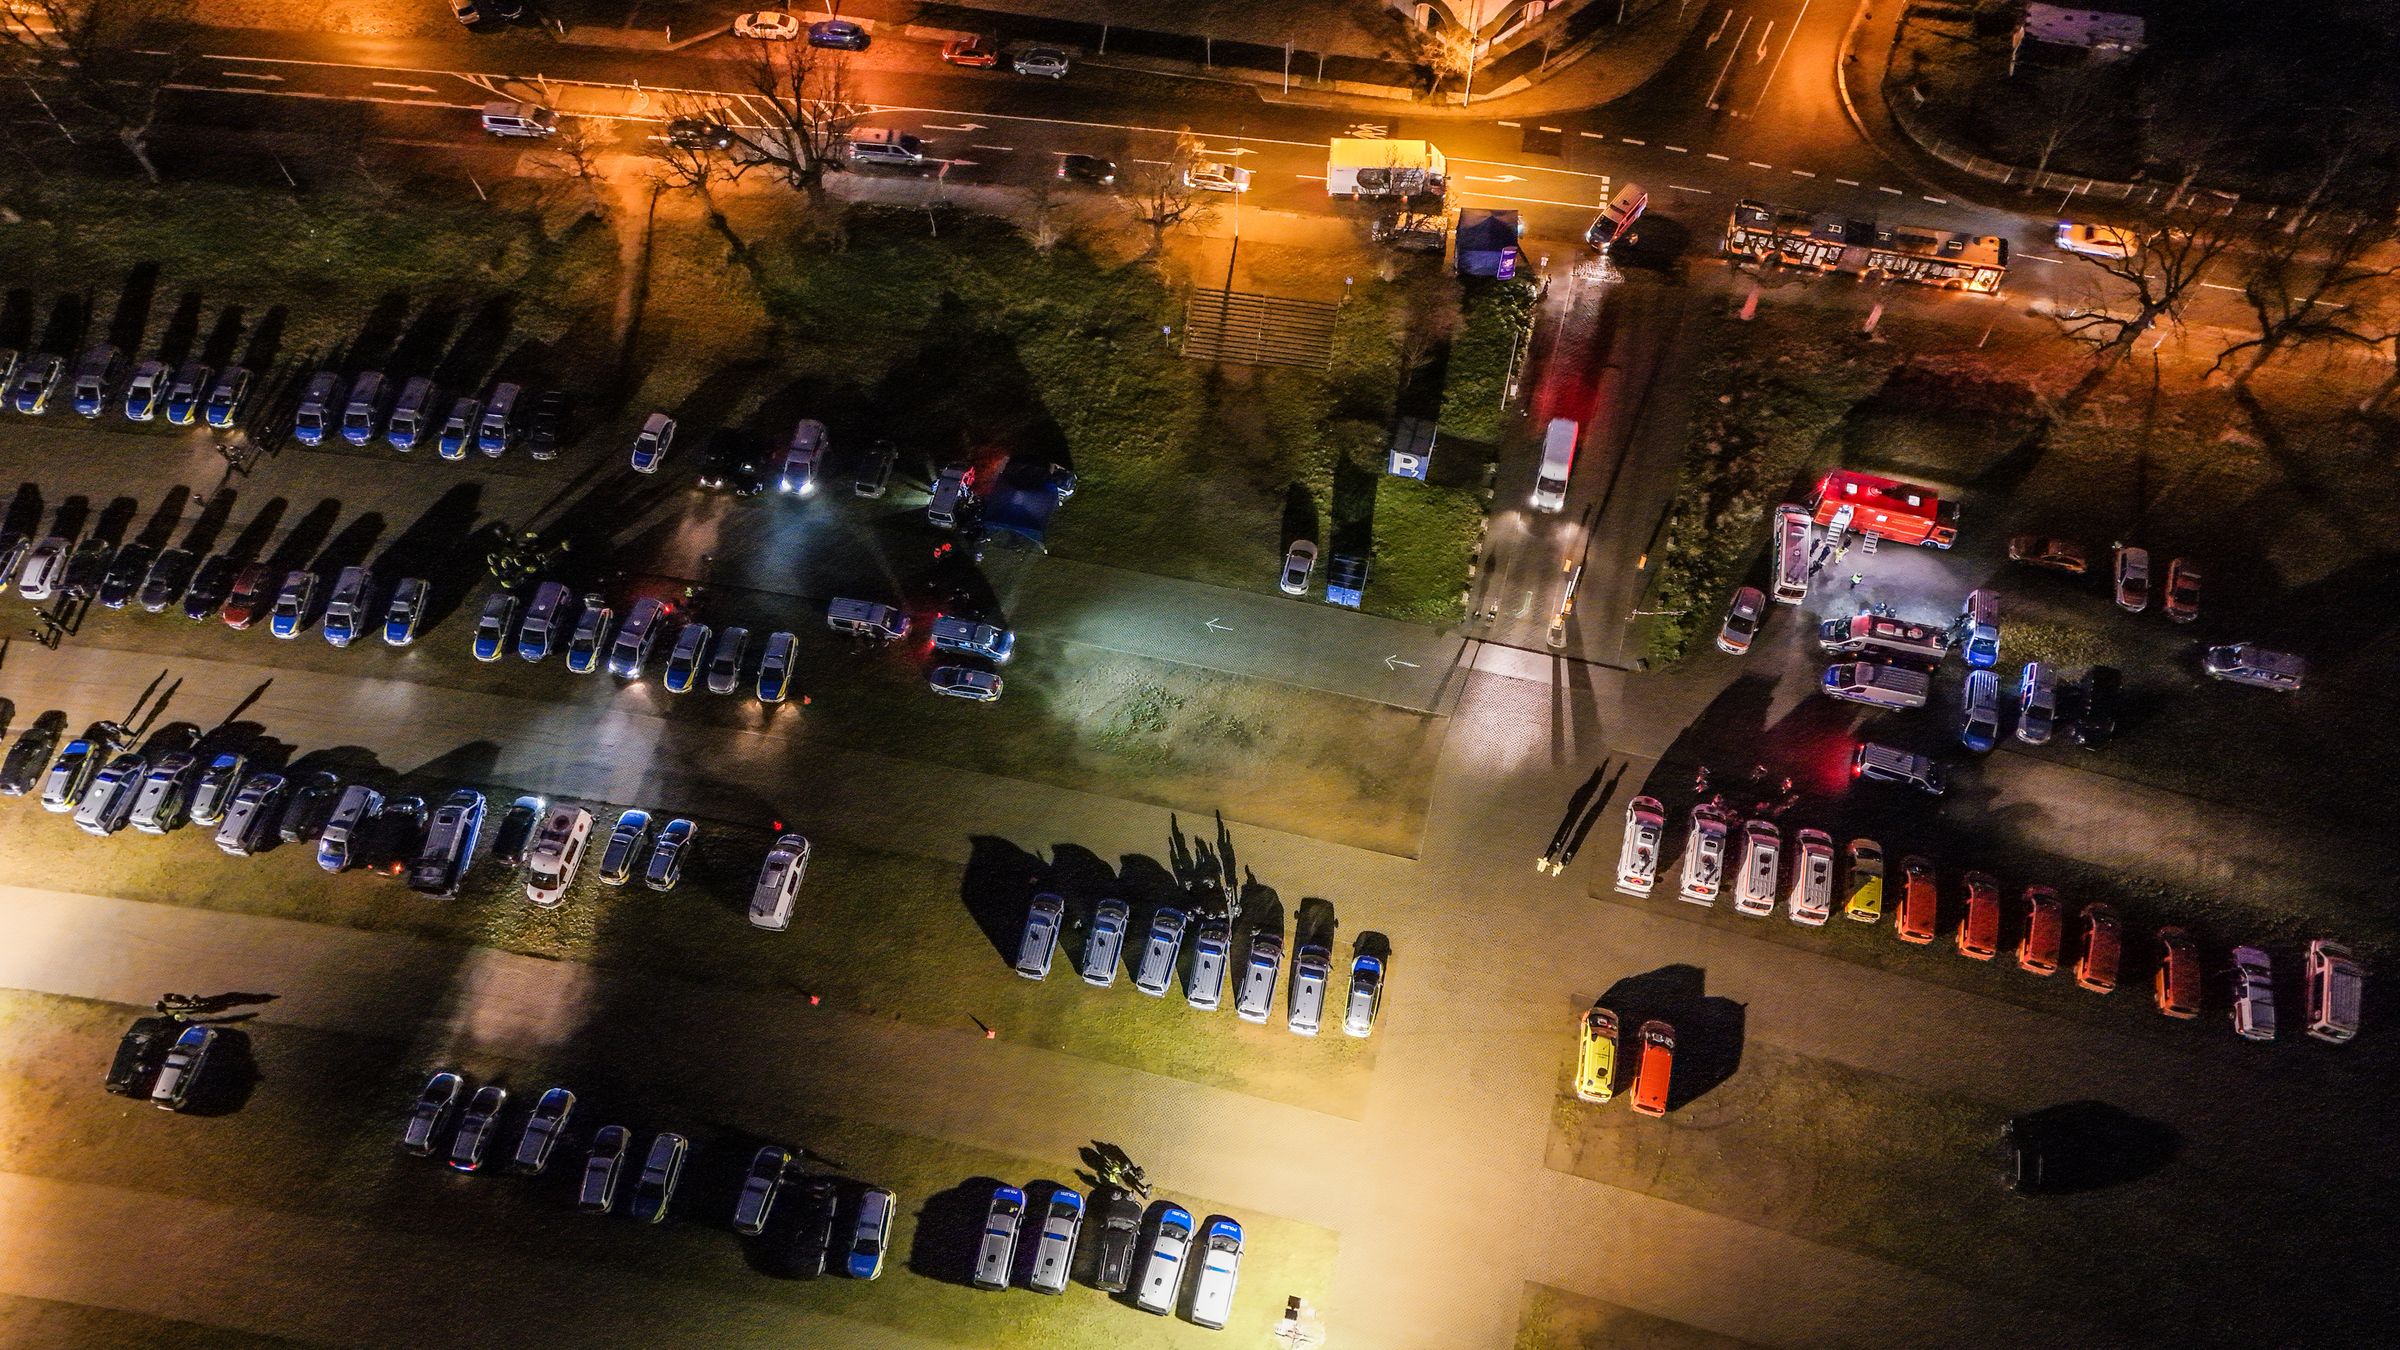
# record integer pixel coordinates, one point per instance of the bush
(1498, 313)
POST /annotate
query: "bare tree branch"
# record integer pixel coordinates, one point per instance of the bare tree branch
(2166, 264)
(1162, 200)
(2301, 289)
(103, 63)
(802, 92)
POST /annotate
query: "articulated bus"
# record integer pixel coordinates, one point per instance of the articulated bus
(1832, 243)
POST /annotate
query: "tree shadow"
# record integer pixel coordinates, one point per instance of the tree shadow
(224, 338)
(266, 342)
(132, 316)
(377, 334)
(25, 510)
(202, 536)
(350, 547)
(999, 882)
(477, 348)
(259, 530)
(440, 546)
(1299, 515)
(306, 536)
(1353, 525)
(160, 528)
(182, 330)
(115, 519)
(950, 1229)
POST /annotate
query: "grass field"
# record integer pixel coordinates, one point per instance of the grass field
(1557, 1319)
(314, 1141)
(1885, 1166)
(882, 934)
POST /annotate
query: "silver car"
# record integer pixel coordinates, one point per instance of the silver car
(1212, 956)
(1159, 953)
(1162, 1270)
(359, 804)
(1054, 1250)
(1106, 943)
(1043, 919)
(759, 1189)
(1256, 997)
(1312, 969)
(159, 806)
(996, 1253)
(107, 805)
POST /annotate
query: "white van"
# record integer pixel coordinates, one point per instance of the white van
(519, 119)
(2253, 995)
(2334, 981)
(1162, 1269)
(1878, 686)
(865, 618)
(1558, 464)
(996, 1254)
(557, 852)
(1616, 219)
(881, 145)
(1311, 970)
(1220, 1269)
(2249, 663)
(1791, 554)
(1877, 635)
(1256, 995)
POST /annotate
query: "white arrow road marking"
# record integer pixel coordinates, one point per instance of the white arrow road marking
(1217, 626)
(1004, 149)
(1394, 663)
(1503, 178)
(404, 88)
(970, 126)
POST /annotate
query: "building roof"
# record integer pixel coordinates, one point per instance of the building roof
(2090, 29)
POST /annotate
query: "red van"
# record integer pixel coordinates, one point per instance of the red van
(1657, 1069)
(1979, 932)
(2096, 969)
(2178, 979)
(1914, 922)
(2037, 951)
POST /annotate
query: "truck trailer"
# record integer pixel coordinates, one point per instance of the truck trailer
(1384, 169)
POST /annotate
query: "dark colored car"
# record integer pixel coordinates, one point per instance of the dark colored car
(87, 570)
(29, 758)
(169, 575)
(516, 831)
(125, 575)
(1120, 1238)
(546, 428)
(392, 836)
(2098, 699)
(210, 585)
(698, 133)
(812, 1233)
(312, 801)
(732, 466)
(1089, 169)
(139, 1055)
(839, 34)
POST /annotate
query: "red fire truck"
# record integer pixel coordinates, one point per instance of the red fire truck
(1885, 507)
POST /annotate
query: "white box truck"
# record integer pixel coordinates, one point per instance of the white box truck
(1378, 168)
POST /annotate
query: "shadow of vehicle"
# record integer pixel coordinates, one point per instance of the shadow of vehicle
(949, 1228)
(999, 882)
(1709, 1030)
(230, 1077)
(2083, 1146)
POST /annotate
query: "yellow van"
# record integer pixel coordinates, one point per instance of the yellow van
(1596, 1056)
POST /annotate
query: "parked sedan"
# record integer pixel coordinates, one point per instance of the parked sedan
(37, 379)
(667, 855)
(980, 51)
(87, 568)
(125, 575)
(210, 586)
(624, 846)
(28, 758)
(760, 1186)
(1207, 176)
(292, 604)
(2133, 579)
(405, 612)
(980, 686)
(45, 568)
(2182, 595)
(169, 574)
(603, 1169)
(839, 34)
(250, 596)
(493, 629)
(1088, 169)
(725, 660)
(1049, 61)
(1742, 618)
(542, 1131)
(767, 25)
(654, 1189)
(775, 668)
(144, 390)
(226, 395)
(432, 1111)
(2060, 554)
(651, 444)
(683, 663)
(871, 1235)
(185, 392)
(1298, 562)
(593, 628)
(478, 1127)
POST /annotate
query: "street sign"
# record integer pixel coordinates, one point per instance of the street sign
(1411, 451)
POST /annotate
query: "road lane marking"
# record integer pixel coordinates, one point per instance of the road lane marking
(1678, 187)
(404, 88)
(1004, 149)
(246, 75)
(1510, 124)
(1894, 191)
(1592, 135)
(1756, 165)
(1679, 149)
(1939, 201)
(1719, 158)
(1847, 182)
(1631, 141)
(1555, 131)
(2036, 257)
